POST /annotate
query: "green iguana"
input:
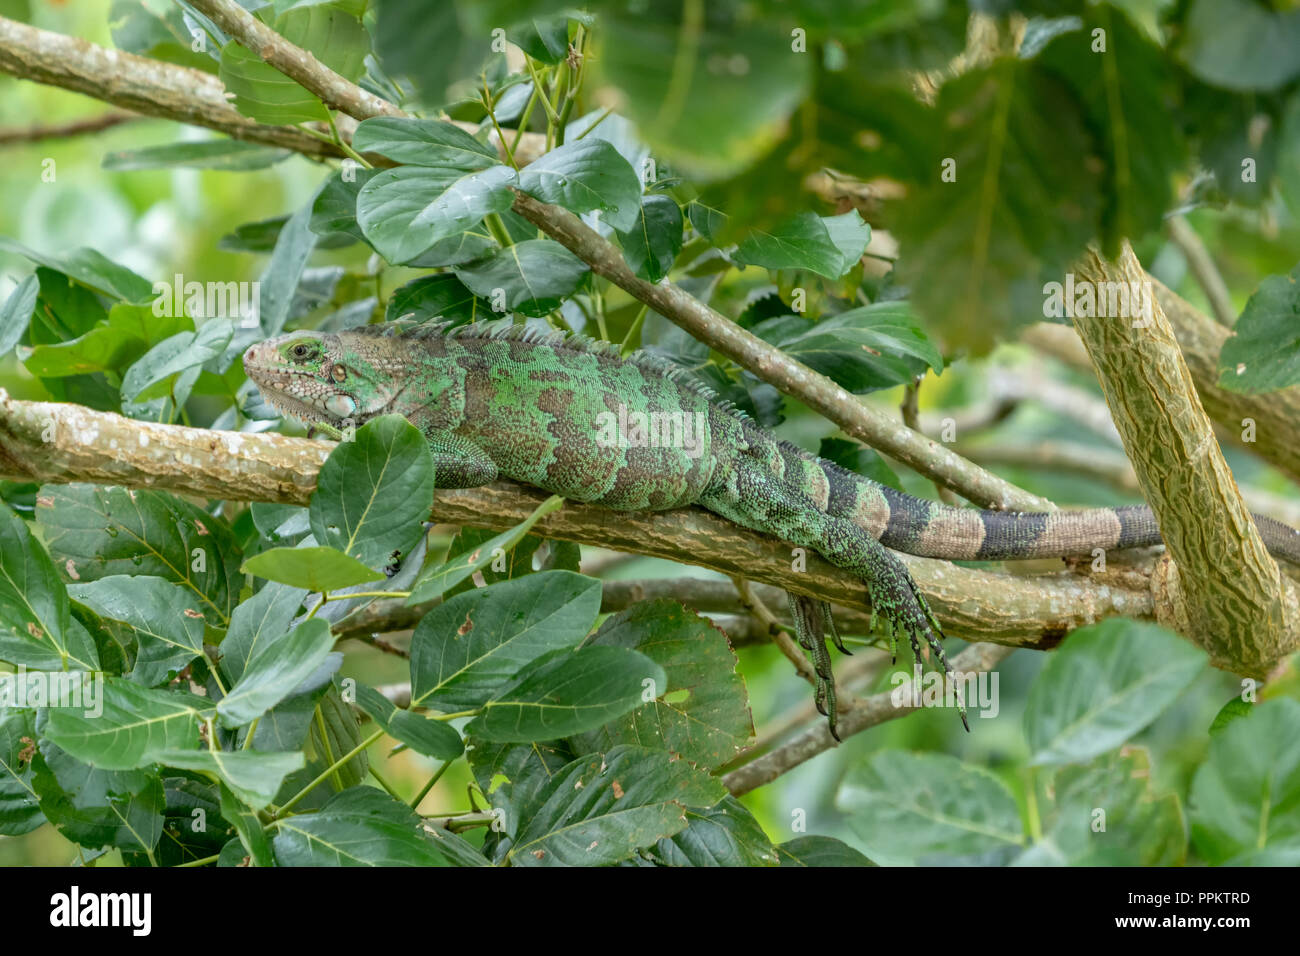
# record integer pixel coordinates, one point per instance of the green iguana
(569, 415)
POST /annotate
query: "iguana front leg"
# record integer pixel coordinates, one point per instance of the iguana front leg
(458, 462)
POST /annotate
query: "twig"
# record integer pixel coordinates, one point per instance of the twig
(1203, 268)
(92, 124)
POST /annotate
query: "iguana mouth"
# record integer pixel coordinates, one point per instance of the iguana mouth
(278, 383)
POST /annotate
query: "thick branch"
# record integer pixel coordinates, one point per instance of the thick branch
(1223, 589)
(100, 447)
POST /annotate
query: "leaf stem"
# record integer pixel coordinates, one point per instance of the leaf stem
(327, 773)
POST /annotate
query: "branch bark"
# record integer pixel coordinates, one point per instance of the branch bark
(1218, 585)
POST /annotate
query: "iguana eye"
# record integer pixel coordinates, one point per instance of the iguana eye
(300, 351)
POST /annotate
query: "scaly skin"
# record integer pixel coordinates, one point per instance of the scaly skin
(537, 408)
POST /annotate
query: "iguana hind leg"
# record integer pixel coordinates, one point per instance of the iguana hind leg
(751, 495)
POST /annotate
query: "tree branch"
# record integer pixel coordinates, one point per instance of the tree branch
(1222, 589)
(51, 442)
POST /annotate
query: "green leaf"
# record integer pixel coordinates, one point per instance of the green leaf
(314, 569)
(819, 851)
(434, 297)
(97, 807)
(334, 211)
(929, 809)
(585, 175)
(275, 672)
(1107, 813)
(433, 738)
(434, 582)
(263, 93)
(544, 39)
(532, 277)
(374, 493)
(136, 724)
(1125, 92)
(652, 244)
(112, 344)
(875, 346)
(859, 459)
(975, 247)
(601, 809)
(471, 645)
(230, 154)
(1105, 684)
(1244, 796)
(404, 211)
(568, 692)
(358, 827)
(17, 312)
(423, 142)
(710, 98)
(36, 625)
(254, 777)
(1263, 353)
(168, 627)
(149, 377)
(283, 272)
(257, 622)
(92, 269)
(249, 827)
(705, 718)
(722, 835)
(1234, 709)
(1241, 44)
(335, 35)
(94, 531)
(19, 811)
(829, 246)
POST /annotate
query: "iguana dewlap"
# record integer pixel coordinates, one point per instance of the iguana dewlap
(570, 416)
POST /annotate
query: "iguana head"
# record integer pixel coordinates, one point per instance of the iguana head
(321, 377)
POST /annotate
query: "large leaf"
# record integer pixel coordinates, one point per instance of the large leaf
(258, 622)
(1242, 44)
(819, 851)
(36, 625)
(875, 346)
(17, 312)
(406, 210)
(423, 142)
(975, 237)
(532, 277)
(374, 493)
(654, 240)
(433, 738)
(1105, 684)
(112, 344)
(437, 580)
(585, 175)
(468, 647)
(275, 672)
(136, 724)
(168, 625)
(1263, 353)
(568, 692)
(90, 268)
(722, 835)
(263, 93)
(148, 377)
(97, 807)
(437, 296)
(602, 809)
(252, 835)
(94, 531)
(230, 154)
(19, 812)
(829, 245)
(358, 827)
(929, 809)
(1244, 797)
(702, 714)
(253, 776)
(314, 569)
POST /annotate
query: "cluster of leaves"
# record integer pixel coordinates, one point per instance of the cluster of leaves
(1087, 796)
(224, 730)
